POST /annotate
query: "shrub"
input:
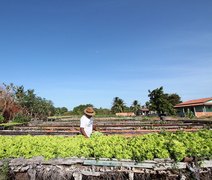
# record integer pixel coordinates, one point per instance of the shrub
(1, 119)
(189, 114)
(19, 118)
(145, 118)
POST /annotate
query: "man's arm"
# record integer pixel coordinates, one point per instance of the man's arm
(83, 132)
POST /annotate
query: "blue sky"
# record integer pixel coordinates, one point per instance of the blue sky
(78, 51)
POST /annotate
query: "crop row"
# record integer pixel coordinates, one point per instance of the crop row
(146, 147)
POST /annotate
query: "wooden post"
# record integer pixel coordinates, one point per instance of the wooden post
(183, 111)
(131, 175)
(77, 176)
(194, 111)
(204, 109)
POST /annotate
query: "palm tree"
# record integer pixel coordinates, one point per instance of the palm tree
(135, 107)
(118, 105)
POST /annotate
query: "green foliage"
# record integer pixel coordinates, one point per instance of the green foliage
(10, 125)
(118, 105)
(139, 148)
(161, 102)
(146, 118)
(173, 98)
(135, 107)
(68, 113)
(103, 112)
(1, 119)
(96, 133)
(25, 101)
(61, 111)
(177, 149)
(35, 106)
(20, 118)
(4, 170)
(78, 110)
(189, 114)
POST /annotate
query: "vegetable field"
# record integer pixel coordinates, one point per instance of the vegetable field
(121, 149)
(146, 147)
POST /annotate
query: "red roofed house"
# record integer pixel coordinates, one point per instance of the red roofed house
(200, 107)
(144, 111)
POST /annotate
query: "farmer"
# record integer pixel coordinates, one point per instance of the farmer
(86, 122)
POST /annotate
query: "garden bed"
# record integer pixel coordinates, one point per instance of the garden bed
(105, 169)
(108, 127)
(162, 155)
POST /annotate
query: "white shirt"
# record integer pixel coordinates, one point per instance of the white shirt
(87, 124)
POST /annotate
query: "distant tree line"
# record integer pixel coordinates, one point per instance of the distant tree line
(16, 103)
(159, 102)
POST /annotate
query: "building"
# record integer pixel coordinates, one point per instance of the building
(199, 107)
(125, 114)
(144, 111)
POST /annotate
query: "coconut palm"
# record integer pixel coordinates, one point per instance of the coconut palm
(118, 105)
(135, 107)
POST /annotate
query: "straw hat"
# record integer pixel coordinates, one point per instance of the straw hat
(89, 111)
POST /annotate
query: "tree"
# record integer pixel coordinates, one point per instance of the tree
(118, 105)
(8, 104)
(102, 111)
(61, 110)
(78, 110)
(135, 107)
(15, 101)
(33, 105)
(147, 104)
(159, 102)
(174, 98)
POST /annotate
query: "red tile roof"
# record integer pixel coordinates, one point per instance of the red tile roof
(144, 109)
(194, 102)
